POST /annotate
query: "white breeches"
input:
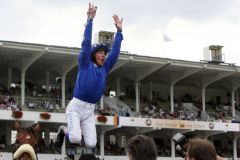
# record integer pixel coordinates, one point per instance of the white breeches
(81, 122)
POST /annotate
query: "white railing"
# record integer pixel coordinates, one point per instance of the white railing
(190, 107)
(120, 103)
(117, 105)
(112, 104)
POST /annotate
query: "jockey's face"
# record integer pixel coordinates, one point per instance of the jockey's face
(100, 58)
(25, 156)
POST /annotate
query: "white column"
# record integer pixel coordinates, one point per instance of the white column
(150, 91)
(102, 144)
(47, 80)
(22, 88)
(137, 93)
(9, 77)
(101, 102)
(233, 104)
(172, 148)
(171, 98)
(203, 99)
(63, 91)
(63, 148)
(118, 81)
(235, 147)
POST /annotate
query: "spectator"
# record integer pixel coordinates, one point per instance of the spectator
(1, 157)
(127, 114)
(19, 108)
(201, 149)
(51, 146)
(13, 105)
(50, 108)
(141, 147)
(57, 107)
(88, 157)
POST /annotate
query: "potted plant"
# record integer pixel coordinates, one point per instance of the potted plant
(45, 115)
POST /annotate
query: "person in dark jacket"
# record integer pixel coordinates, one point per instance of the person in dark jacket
(141, 147)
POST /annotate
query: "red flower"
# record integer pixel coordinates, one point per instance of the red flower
(45, 115)
(17, 114)
(102, 119)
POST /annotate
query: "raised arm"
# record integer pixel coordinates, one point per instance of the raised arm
(84, 56)
(113, 56)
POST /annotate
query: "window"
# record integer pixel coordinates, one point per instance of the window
(43, 135)
(53, 136)
(112, 139)
(13, 136)
(123, 141)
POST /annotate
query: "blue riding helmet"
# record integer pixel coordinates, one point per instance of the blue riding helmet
(98, 47)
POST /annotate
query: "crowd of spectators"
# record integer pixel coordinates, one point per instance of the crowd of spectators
(224, 111)
(152, 111)
(48, 102)
(9, 103)
(49, 106)
(149, 111)
(114, 149)
(106, 111)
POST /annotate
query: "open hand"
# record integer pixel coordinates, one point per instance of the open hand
(91, 13)
(118, 22)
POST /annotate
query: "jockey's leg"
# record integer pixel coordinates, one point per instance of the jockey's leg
(73, 122)
(89, 131)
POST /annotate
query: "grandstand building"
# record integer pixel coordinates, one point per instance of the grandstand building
(155, 96)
